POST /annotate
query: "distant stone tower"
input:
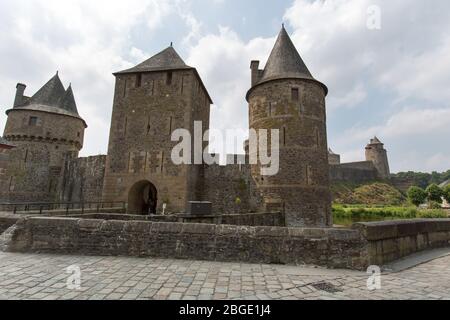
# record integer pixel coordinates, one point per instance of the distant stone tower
(45, 129)
(285, 96)
(333, 158)
(376, 153)
(151, 100)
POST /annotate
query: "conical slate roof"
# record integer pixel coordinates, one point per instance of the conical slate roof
(285, 61)
(67, 101)
(53, 98)
(375, 140)
(50, 93)
(167, 59)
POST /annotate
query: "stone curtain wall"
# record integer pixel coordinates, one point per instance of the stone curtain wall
(82, 179)
(231, 189)
(356, 172)
(392, 240)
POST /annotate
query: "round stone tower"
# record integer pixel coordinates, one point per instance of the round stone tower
(376, 153)
(45, 128)
(285, 97)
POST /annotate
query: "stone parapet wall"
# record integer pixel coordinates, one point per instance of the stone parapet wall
(333, 248)
(392, 240)
(6, 221)
(364, 245)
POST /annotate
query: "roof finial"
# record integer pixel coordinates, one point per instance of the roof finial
(171, 44)
(57, 72)
(282, 25)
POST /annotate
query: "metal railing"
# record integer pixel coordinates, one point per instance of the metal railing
(67, 207)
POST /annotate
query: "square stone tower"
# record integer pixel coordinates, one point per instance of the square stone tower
(152, 100)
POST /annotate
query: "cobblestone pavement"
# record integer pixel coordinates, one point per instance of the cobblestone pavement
(31, 276)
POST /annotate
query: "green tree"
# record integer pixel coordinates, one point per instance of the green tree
(417, 196)
(447, 193)
(434, 193)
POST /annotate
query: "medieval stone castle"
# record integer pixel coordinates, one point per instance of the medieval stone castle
(44, 133)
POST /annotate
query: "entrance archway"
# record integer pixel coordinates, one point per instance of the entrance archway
(143, 198)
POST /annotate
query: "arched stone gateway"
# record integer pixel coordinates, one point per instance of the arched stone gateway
(143, 198)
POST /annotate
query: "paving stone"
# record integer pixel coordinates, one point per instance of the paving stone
(43, 277)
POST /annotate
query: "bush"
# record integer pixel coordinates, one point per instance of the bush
(434, 193)
(417, 196)
(434, 205)
(446, 194)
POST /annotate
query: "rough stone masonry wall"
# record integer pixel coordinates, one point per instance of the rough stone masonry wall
(301, 188)
(356, 172)
(271, 219)
(334, 248)
(140, 145)
(231, 189)
(6, 221)
(34, 167)
(391, 240)
(82, 179)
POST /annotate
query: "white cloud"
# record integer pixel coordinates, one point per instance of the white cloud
(223, 61)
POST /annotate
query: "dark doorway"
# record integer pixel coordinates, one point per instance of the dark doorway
(143, 198)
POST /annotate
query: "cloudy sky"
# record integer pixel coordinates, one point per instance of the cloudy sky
(393, 82)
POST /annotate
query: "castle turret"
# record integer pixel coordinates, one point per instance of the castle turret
(286, 97)
(44, 129)
(376, 153)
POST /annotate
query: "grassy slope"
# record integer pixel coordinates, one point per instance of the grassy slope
(371, 194)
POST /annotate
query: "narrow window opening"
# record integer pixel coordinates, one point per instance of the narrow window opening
(146, 162)
(169, 78)
(270, 109)
(129, 162)
(317, 137)
(148, 125)
(26, 156)
(33, 121)
(138, 80)
(170, 125)
(162, 162)
(125, 88)
(284, 136)
(10, 183)
(126, 126)
(295, 94)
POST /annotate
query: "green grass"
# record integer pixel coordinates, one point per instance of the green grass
(360, 213)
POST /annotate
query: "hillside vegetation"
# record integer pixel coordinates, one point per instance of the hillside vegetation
(372, 194)
(423, 180)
